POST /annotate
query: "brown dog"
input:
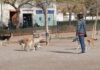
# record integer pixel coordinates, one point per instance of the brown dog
(26, 43)
(90, 41)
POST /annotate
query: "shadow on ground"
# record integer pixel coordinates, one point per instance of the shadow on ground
(66, 52)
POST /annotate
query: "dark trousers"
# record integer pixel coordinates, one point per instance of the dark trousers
(82, 43)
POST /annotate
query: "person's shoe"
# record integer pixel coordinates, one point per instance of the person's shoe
(83, 52)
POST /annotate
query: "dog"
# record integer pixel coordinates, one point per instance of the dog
(5, 37)
(30, 44)
(88, 40)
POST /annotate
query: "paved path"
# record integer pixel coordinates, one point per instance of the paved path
(60, 54)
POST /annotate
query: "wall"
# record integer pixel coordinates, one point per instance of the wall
(5, 13)
(35, 17)
(39, 17)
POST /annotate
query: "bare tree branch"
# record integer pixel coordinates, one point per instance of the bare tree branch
(14, 2)
(8, 2)
(26, 2)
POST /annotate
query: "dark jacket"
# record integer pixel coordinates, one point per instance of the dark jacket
(81, 27)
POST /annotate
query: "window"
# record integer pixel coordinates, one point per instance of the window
(50, 11)
(39, 12)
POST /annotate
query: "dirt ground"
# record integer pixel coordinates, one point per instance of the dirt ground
(60, 54)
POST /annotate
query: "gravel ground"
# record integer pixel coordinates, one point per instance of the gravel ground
(60, 54)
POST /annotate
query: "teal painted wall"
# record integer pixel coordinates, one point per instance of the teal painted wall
(39, 18)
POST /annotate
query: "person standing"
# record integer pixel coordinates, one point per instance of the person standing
(81, 31)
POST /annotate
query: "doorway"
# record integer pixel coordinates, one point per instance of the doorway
(12, 13)
(12, 20)
(27, 20)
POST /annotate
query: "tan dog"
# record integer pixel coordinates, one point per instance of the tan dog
(28, 44)
(90, 41)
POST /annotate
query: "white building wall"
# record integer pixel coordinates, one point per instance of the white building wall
(60, 17)
(5, 13)
(7, 8)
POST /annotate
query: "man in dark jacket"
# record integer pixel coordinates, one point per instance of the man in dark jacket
(80, 31)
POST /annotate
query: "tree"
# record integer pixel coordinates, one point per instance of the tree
(17, 4)
(95, 25)
(70, 10)
(44, 4)
(71, 6)
(93, 4)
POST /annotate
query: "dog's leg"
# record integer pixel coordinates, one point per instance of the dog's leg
(92, 43)
(35, 46)
(30, 46)
(1, 43)
(23, 46)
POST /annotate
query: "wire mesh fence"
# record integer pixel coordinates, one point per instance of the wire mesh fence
(61, 27)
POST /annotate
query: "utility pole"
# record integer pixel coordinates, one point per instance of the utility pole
(46, 21)
(96, 21)
(1, 12)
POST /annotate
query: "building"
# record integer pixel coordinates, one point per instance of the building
(28, 15)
